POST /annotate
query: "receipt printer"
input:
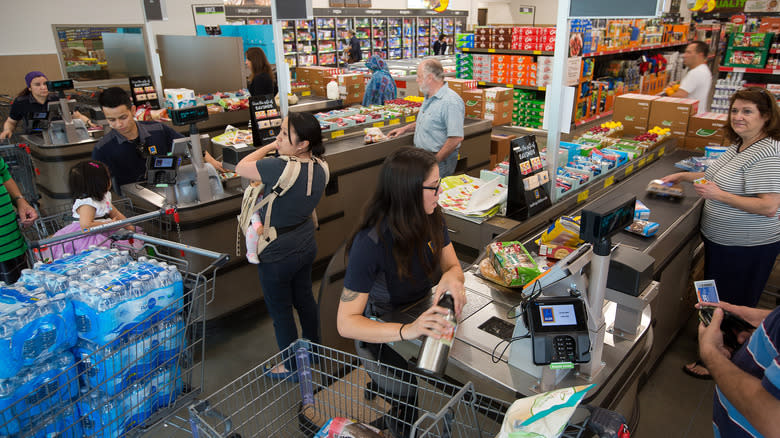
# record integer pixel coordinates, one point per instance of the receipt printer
(559, 330)
(231, 155)
(630, 271)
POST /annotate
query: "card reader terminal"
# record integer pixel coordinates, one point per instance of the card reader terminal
(559, 330)
(162, 169)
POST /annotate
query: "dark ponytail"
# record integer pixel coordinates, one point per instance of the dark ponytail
(307, 127)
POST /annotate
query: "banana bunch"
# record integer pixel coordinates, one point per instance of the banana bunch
(704, 5)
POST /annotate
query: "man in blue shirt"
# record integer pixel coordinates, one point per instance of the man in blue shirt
(439, 124)
(747, 395)
(125, 147)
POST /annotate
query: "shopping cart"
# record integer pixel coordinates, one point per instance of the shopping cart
(330, 383)
(20, 165)
(139, 379)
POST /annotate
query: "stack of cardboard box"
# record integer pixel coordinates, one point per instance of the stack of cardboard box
(673, 113)
(317, 77)
(491, 103)
(533, 38)
(633, 111)
(483, 38)
(513, 69)
(705, 129)
(461, 85)
(482, 66)
(499, 148)
(351, 88)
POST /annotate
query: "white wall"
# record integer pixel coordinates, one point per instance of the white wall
(507, 11)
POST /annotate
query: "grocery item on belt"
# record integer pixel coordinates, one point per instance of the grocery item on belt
(641, 211)
(565, 231)
(643, 228)
(662, 188)
(373, 135)
(512, 263)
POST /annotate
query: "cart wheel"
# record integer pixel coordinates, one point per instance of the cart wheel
(370, 392)
(234, 435)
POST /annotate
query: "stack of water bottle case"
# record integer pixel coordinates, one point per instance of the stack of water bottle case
(122, 318)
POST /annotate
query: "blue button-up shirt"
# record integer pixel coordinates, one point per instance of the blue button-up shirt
(440, 116)
(121, 155)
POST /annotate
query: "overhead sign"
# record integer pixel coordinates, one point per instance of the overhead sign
(262, 11)
(613, 8)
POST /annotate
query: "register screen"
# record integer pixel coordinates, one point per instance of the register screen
(163, 163)
(560, 314)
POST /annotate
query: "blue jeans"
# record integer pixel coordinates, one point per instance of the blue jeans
(447, 166)
(286, 285)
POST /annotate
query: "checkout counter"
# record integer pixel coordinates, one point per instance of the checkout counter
(635, 325)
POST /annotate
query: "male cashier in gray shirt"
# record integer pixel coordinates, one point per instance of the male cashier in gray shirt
(439, 125)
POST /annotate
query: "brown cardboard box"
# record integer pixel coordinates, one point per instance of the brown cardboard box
(499, 146)
(474, 101)
(460, 85)
(351, 3)
(364, 3)
(672, 113)
(499, 112)
(633, 110)
(336, 3)
(707, 126)
(634, 129)
(498, 94)
(483, 45)
(698, 143)
(483, 31)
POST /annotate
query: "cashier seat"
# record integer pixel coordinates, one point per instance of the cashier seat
(330, 294)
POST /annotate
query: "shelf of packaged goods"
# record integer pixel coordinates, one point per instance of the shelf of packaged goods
(774, 51)
(507, 52)
(763, 71)
(634, 49)
(592, 118)
(325, 28)
(521, 87)
(326, 51)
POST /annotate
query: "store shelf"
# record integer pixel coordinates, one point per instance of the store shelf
(592, 118)
(521, 87)
(763, 71)
(507, 52)
(634, 49)
(774, 51)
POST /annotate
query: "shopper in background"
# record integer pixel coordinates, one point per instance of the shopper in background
(440, 46)
(354, 53)
(12, 245)
(286, 263)
(381, 87)
(261, 79)
(125, 147)
(697, 82)
(33, 100)
(747, 395)
(440, 120)
(739, 223)
(400, 250)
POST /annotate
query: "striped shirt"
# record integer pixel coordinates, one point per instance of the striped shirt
(748, 173)
(761, 359)
(12, 243)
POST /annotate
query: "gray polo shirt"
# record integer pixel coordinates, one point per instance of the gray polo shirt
(440, 116)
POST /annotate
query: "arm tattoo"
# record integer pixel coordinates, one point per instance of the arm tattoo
(349, 295)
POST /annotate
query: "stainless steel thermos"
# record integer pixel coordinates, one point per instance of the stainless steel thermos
(435, 352)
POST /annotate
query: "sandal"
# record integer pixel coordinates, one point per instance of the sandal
(690, 370)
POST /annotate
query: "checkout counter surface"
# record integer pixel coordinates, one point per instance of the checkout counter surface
(625, 357)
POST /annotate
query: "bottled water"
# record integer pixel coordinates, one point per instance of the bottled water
(171, 339)
(137, 405)
(100, 416)
(59, 422)
(165, 386)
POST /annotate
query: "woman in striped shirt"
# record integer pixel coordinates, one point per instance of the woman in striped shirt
(739, 223)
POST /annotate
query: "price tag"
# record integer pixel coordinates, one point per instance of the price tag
(739, 70)
(609, 181)
(651, 157)
(510, 86)
(661, 152)
(337, 134)
(542, 88)
(464, 49)
(640, 163)
(491, 50)
(537, 52)
(481, 83)
(561, 365)
(378, 124)
(629, 169)
(305, 93)
(410, 119)
(394, 122)
(582, 196)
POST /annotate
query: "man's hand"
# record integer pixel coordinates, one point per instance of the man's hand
(711, 338)
(27, 213)
(395, 132)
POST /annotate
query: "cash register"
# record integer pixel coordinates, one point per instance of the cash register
(66, 130)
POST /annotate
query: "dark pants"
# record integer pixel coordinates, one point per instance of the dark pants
(11, 270)
(740, 272)
(286, 285)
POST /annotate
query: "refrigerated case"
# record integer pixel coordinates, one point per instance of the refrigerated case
(395, 38)
(363, 34)
(408, 41)
(289, 42)
(306, 42)
(424, 36)
(327, 47)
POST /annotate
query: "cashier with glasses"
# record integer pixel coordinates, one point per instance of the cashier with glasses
(439, 125)
(32, 106)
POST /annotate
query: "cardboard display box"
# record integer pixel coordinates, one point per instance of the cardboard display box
(698, 143)
(633, 111)
(672, 113)
(707, 126)
(499, 147)
(474, 101)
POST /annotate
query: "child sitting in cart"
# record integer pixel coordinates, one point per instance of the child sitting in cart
(90, 186)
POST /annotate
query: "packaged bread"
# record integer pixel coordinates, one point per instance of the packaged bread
(512, 263)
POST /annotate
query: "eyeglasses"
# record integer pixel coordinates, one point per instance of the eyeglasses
(434, 188)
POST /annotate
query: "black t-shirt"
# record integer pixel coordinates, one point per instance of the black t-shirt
(439, 47)
(372, 269)
(262, 85)
(121, 155)
(27, 109)
(354, 48)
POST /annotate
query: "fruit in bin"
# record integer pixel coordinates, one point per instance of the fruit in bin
(671, 89)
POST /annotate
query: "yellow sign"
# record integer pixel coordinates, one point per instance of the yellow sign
(305, 93)
(394, 121)
(510, 86)
(442, 6)
(337, 134)
(410, 119)
(378, 124)
(629, 169)
(537, 52)
(542, 88)
(661, 151)
(582, 196)
(651, 157)
(609, 181)
(481, 83)
(640, 163)
(491, 50)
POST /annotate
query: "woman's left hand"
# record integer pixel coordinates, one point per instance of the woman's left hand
(451, 282)
(708, 190)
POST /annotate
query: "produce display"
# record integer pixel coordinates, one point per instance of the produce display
(360, 115)
(654, 135)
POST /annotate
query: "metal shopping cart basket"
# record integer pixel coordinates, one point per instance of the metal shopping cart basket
(330, 383)
(124, 382)
(20, 165)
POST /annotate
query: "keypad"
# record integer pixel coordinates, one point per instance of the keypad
(564, 349)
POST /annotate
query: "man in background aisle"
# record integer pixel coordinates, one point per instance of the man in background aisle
(439, 125)
(697, 82)
(440, 46)
(354, 53)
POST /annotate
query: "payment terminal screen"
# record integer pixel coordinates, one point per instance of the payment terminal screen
(559, 314)
(163, 163)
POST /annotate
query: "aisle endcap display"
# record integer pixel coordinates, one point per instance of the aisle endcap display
(633, 111)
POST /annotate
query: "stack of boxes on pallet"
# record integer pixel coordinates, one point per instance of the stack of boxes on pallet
(494, 104)
(515, 38)
(639, 113)
(528, 109)
(351, 86)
